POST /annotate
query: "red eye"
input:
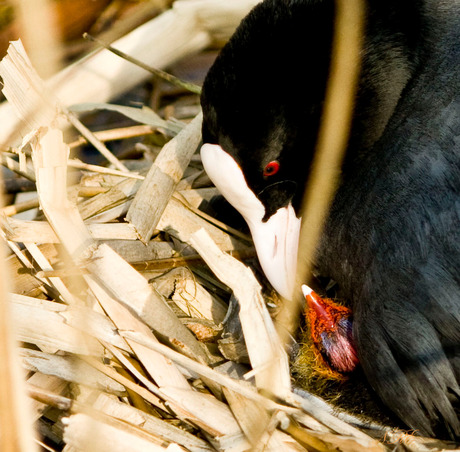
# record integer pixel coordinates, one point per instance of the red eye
(271, 168)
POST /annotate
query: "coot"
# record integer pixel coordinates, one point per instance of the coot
(392, 238)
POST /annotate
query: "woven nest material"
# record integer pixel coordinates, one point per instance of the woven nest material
(120, 286)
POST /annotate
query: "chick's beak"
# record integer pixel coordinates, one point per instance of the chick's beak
(277, 239)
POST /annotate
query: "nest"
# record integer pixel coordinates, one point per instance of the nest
(120, 286)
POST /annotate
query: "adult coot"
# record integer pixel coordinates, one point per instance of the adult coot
(392, 239)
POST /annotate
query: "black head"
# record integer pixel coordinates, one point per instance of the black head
(262, 98)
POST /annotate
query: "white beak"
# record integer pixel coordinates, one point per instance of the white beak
(277, 239)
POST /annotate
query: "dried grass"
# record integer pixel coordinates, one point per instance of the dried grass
(106, 337)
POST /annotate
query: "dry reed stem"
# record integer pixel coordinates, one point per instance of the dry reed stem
(41, 232)
(268, 359)
(91, 138)
(168, 432)
(55, 282)
(90, 434)
(70, 368)
(157, 73)
(115, 134)
(181, 222)
(200, 369)
(333, 134)
(41, 322)
(39, 29)
(48, 384)
(161, 370)
(15, 414)
(131, 290)
(164, 175)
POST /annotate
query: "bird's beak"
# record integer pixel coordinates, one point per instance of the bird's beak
(277, 242)
(277, 239)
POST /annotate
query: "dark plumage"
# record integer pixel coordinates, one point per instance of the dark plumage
(392, 240)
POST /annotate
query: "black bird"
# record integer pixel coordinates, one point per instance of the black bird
(392, 238)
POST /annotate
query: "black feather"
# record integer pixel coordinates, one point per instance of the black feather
(392, 240)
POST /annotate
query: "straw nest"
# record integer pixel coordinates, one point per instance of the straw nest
(119, 286)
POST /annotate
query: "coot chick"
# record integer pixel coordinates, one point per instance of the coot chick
(331, 332)
(392, 240)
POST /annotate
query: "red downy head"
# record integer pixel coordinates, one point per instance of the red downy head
(331, 331)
